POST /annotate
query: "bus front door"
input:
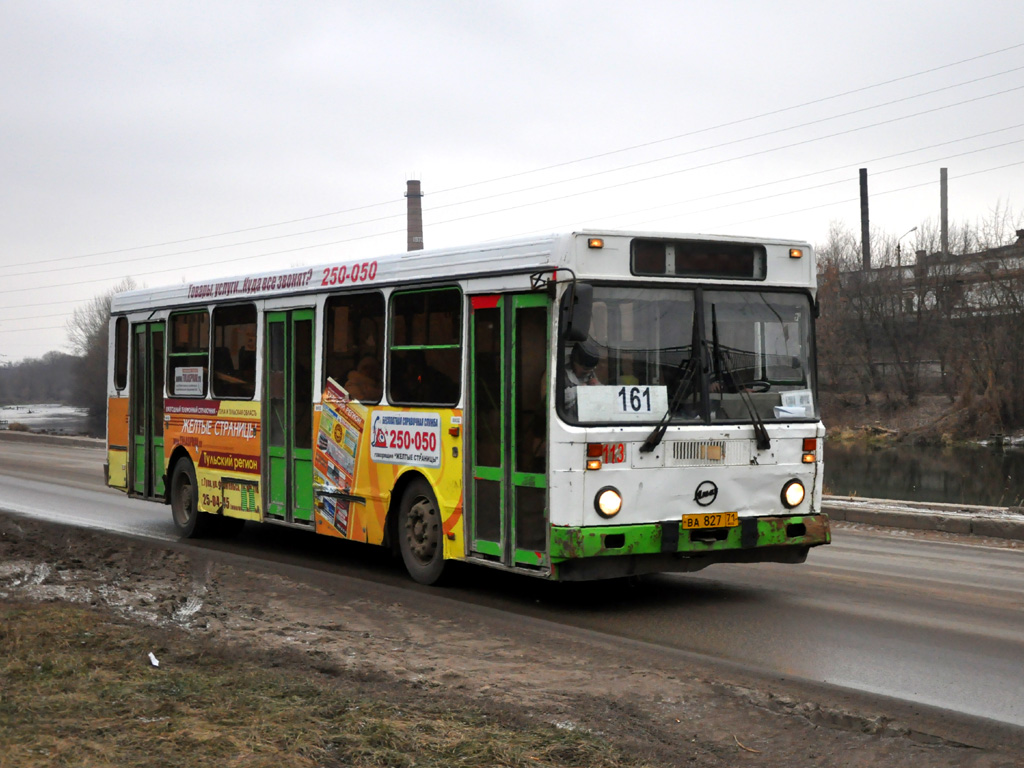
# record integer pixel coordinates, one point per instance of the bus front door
(146, 405)
(288, 416)
(508, 423)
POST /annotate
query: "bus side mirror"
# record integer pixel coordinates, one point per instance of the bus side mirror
(577, 303)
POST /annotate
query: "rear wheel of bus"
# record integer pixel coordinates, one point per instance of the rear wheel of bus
(189, 521)
(420, 537)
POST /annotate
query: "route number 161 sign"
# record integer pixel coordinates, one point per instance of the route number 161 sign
(622, 403)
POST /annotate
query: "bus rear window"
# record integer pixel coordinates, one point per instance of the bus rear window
(189, 354)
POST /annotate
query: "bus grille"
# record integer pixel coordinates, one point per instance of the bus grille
(708, 453)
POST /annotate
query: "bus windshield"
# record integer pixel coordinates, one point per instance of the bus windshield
(705, 355)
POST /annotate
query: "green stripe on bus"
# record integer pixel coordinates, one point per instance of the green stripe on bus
(617, 540)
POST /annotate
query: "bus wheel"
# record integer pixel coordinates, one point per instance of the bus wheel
(419, 533)
(185, 501)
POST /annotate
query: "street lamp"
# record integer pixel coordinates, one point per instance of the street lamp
(899, 263)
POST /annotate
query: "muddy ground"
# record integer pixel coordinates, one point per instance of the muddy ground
(667, 708)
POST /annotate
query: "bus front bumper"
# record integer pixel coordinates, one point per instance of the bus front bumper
(615, 551)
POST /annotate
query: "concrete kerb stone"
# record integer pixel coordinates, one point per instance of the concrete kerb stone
(1000, 528)
(44, 439)
(995, 522)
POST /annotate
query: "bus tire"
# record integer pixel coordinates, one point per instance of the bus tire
(420, 537)
(189, 521)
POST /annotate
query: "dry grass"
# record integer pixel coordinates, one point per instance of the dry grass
(847, 417)
(79, 690)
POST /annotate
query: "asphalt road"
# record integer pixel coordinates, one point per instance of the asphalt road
(938, 622)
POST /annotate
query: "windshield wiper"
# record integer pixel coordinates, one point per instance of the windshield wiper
(693, 363)
(719, 358)
(654, 439)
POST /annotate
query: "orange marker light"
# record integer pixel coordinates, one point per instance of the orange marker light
(796, 253)
(595, 242)
(810, 449)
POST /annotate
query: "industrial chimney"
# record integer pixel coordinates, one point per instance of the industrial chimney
(414, 216)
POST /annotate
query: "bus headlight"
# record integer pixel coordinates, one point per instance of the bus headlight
(608, 502)
(792, 494)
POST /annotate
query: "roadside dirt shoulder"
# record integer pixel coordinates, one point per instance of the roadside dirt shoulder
(669, 709)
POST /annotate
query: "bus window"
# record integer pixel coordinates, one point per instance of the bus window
(425, 356)
(531, 390)
(121, 353)
(189, 355)
(234, 351)
(354, 347)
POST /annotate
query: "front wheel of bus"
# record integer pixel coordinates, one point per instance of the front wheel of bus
(419, 533)
(185, 500)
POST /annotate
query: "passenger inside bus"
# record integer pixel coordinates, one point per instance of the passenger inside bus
(580, 371)
(234, 365)
(364, 382)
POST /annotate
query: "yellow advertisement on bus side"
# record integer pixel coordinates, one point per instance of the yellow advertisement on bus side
(361, 453)
(223, 440)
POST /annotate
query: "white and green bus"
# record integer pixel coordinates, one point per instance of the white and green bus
(578, 406)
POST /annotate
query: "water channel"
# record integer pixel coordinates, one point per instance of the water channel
(952, 475)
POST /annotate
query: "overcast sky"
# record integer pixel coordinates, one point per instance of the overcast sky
(190, 140)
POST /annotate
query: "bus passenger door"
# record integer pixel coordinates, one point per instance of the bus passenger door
(146, 405)
(508, 423)
(288, 415)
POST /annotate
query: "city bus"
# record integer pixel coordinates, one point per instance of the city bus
(585, 405)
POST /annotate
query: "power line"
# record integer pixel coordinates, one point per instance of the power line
(739, 121)
(857, 164)
(787, 193)
(728, 160)
(877, 194)
(746, 221)
(572, 194)
(542, 169)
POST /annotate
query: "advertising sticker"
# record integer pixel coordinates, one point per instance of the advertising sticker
(188, 380)
(406, 438)
(334, 459)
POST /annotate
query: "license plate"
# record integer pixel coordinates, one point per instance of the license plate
(711, 520)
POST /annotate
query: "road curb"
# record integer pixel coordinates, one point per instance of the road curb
(995, 522)
(43, 439)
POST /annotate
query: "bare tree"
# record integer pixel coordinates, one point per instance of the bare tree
(838, 359)
(920, 318)
(87, 337)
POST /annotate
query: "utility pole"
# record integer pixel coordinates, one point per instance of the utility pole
(865, 227)
(414, 216)
(944, 210)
